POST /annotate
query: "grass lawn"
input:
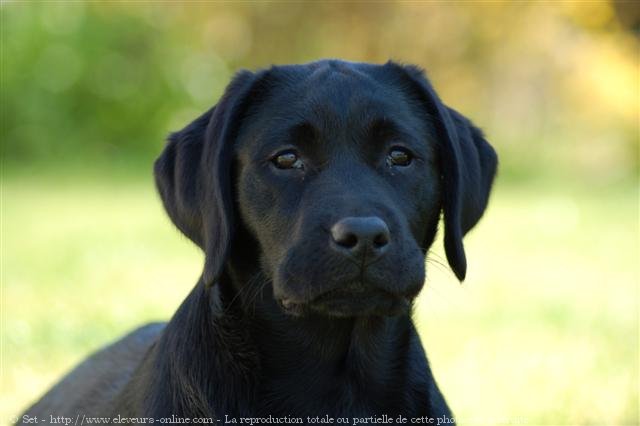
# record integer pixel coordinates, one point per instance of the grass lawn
(544, 330)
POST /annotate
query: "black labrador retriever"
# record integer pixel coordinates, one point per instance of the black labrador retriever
(315, 192)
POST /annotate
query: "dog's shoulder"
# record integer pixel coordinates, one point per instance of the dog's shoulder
(88, 388)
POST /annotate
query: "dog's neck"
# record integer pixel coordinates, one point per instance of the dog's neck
(335, 354)
(289, 344)
(221, 355)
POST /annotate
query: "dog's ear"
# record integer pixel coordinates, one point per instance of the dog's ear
(193, 175)
(468, 165)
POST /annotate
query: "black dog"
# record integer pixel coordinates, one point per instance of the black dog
(314, 191)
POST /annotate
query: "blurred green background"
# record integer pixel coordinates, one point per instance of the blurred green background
(544, 330)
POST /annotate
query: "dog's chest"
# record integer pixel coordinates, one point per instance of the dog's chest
(316, 399)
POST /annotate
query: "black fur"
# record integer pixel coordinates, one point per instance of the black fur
(286, 320)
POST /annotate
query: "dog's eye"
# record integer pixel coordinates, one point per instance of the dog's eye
(399, 156)
(287, 160)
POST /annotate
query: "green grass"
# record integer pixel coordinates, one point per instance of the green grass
(544, 330)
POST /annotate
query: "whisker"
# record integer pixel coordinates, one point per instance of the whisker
(435, 291)
(247, 287)
(258, 286)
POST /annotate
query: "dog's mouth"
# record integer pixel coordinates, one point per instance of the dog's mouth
(350, 302)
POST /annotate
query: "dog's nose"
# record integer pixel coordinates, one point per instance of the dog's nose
(360, 236)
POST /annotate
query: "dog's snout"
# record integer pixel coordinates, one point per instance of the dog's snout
(360, 236)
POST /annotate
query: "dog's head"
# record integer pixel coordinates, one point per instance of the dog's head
(335, 173)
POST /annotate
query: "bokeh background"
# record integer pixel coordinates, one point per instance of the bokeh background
(545, 329)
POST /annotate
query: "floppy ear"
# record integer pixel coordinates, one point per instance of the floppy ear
(193, 175)
(468, 166)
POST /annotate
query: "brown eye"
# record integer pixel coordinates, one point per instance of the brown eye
(287, 160)
(399, 156)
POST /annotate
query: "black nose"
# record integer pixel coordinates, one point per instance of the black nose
(360, 236)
